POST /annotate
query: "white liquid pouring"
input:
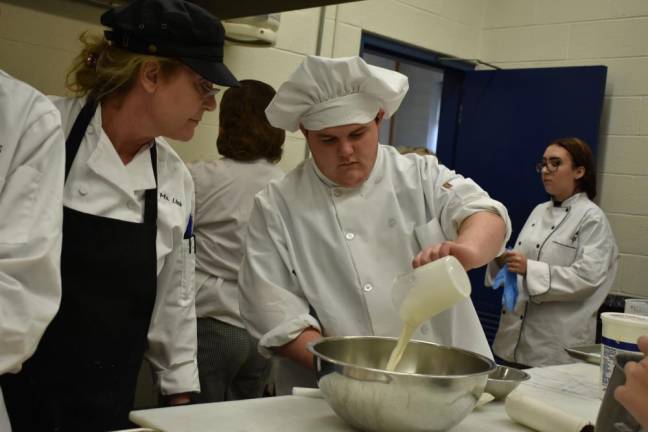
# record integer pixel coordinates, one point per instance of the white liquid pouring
(399, 349)
(429, 290)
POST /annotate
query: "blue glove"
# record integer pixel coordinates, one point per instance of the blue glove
(509, 280)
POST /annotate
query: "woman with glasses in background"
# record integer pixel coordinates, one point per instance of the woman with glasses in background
(563, 264)
(127, 264)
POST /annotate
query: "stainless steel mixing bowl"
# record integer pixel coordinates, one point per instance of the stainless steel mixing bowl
(433, 389)
(504, 380)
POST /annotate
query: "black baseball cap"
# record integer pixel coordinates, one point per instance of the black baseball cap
(172, 28)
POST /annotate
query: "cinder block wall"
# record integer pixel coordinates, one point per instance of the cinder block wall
(547, 33)
(39, 39)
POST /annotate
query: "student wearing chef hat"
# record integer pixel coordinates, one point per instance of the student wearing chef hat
(325, 243)
(127, 259)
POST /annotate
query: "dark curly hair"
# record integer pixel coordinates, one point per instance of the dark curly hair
(245, 133)
(581, 155)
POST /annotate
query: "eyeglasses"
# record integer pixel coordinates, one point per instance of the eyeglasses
(206, 88)
(552, 165)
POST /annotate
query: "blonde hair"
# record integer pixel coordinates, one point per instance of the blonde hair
(102, 69)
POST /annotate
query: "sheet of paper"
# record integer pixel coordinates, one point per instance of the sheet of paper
(565, 382)
(574, 387)
(543, 417)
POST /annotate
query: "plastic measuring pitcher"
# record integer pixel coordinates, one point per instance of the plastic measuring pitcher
(430, 289)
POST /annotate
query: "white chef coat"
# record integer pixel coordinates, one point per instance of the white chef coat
(32, 166)
(338, 250)
(572, 260)
(225, 192)
(32, 155)
(100, 184)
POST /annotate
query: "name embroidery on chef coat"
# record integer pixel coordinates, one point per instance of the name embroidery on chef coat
(173, 200)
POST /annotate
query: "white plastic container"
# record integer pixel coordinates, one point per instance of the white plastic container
(424, 292)
(619, 334)
(636, 306)
(430, 289)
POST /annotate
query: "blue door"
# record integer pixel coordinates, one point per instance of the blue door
(497, 125)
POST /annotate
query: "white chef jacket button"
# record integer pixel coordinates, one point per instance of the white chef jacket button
(424, 329)
(378, 180)
(349, 236)
(367, 287)
(391, 222)
(91, 129)
(83, 191)
(337, 192)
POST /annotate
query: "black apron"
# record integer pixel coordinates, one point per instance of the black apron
(84, 372)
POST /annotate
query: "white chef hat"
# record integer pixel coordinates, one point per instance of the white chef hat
(325, 92)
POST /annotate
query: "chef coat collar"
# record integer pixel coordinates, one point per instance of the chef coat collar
(569, 201)
(328, 182)
(140, 169)
(374, 177)
(105, 162)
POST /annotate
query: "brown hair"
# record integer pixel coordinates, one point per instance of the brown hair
(423, 151)
(581, 155)
(245, 133)
(102, 69)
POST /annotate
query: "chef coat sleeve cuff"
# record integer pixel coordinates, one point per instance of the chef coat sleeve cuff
(496, 208)
(285, 333)
(182, 378)
(466, 204)
(538, 279)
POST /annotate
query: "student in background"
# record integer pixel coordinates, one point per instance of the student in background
(564, 263)
(229, 364)
(32, 166)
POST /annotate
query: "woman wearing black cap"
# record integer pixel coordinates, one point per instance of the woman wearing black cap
(127, 262)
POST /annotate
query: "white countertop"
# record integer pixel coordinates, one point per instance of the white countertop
(573, 388)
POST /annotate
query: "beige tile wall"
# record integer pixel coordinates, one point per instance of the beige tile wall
(38, 43)
(39, 38)
(541, 33)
